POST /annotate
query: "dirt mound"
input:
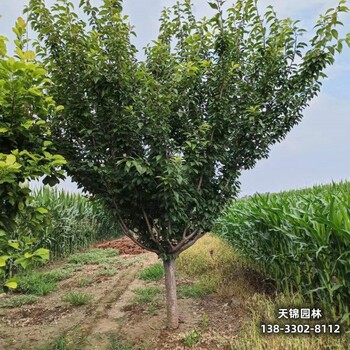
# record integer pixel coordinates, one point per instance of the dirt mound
(124, 244)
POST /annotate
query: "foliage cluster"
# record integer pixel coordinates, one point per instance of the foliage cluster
(26, 152)
(299, 238)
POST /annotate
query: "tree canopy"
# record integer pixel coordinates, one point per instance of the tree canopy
(163, 140)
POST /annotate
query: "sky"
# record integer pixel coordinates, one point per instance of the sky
(316, 151)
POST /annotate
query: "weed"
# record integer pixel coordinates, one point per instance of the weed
(146, 295)
(19, 300)
(192, 338)
(84, 282)
(154, 272)
(77, 299)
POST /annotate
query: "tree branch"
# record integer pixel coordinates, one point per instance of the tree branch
(130, 234)
(190, 243)
(150, 230)
(183, 242)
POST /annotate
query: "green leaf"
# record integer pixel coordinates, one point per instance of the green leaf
(213, 5)
(28, 124)
(42, 253)
(23, 261)
(12, 285)
(13, 244)
(51, 180)
(10, 159)
(35, 91)
(29, 55)
(3, 260)
(42, 210)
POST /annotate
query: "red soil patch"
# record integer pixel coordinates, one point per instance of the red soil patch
(124, 244)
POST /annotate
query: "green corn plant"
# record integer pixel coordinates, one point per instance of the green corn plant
(73, 222)
(299, 238)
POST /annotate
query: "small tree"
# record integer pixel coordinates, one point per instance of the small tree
(163, 141)
(26, 152)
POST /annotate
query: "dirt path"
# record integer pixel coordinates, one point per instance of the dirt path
(26, 327)
(113, 312)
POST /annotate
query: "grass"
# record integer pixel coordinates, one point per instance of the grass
(153, 308)
(60, 343)
(84, 282)
(107, 271)
(36, 283)
(74, 266)
(210, 257)
(115, 343)
(210, 253)
(205, 322)
(94, 257)
(146, 295)
(43, 283)
(191, 338)
(19, 300)
(57, 275)
(195, 290)
(213, 263)
(77, 299)
(153, 272)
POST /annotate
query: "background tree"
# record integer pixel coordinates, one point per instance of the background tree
(163, 141)
(26, 152)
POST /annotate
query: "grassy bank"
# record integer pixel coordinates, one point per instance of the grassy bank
(220, 271)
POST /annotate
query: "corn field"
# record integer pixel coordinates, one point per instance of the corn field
(299, 238)
(73, 222)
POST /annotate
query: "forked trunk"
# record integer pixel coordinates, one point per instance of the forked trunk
(171, 297)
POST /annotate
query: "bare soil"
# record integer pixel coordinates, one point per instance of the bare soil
(113, 311)
(124, 245)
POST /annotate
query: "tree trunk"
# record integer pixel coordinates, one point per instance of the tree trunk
(171, 297)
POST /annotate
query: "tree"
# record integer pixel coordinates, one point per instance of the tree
(26, 152)
(162, 141)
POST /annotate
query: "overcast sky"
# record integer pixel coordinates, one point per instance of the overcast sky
(317, 150)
